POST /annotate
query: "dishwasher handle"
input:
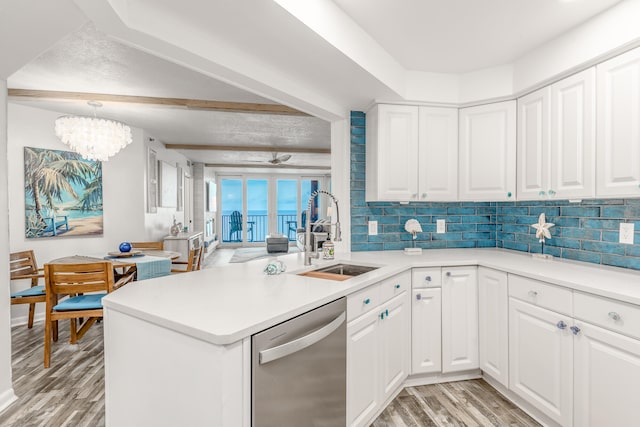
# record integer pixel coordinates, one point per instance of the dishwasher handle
(278, 352)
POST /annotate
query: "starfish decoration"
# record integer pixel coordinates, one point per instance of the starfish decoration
(542, 228)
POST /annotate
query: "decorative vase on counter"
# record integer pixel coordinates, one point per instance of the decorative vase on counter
(125, 247)
(176, 227)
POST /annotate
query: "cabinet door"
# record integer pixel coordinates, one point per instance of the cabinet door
(541, 359)
(392, 153)
(426, 333)
(573, 129)
(618, 128)
(395, 345)
(363, 382)
(488, 152)
(493, 325)
(459, 319)
(606, 378)
(438, 154)
(533, 144)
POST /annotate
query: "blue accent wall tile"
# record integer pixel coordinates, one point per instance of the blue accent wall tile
(586, 231)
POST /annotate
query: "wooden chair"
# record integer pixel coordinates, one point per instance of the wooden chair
(22, 265)
(193, 264)
(75, 281)
(157, 246)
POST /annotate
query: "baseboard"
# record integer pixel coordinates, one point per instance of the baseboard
(7, 398)
(534, 413)
(436, 378)
(23, 320)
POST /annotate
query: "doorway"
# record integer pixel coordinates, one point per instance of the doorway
(254, 206)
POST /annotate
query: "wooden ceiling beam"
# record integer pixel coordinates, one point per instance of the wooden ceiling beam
(248, 148)
(195, 104)
(264, 166)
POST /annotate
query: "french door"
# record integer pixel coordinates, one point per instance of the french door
(254, 206)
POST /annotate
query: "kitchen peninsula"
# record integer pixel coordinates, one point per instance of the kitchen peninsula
(178, 348)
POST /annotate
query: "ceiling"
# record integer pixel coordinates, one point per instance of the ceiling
(459, 36)
(452, 36)
(88, 61)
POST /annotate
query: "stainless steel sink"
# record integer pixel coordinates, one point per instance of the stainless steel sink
(338, 272)
(347, 269)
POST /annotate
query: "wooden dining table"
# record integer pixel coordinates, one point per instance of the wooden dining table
(123, 262)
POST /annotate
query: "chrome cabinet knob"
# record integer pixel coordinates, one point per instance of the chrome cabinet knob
(533, 294)
(397, 286)
(575, 330)
(551, 192)
(418, 297)
(366, 301)
(614, 316)
(541, 193)
(448, 274)
(428, 278)
(424, 195)
(509, 194)
(561, 325)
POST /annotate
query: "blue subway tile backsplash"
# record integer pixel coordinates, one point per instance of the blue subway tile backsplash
(585, 231)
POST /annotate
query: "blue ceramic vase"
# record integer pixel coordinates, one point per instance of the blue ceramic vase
(125, 247)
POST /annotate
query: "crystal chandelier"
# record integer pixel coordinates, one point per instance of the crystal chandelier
(92, 137)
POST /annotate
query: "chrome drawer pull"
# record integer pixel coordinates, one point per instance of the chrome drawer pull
(561, 325)
(615, 316)
(575, 330)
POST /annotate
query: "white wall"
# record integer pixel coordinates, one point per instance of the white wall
(6, 391)
(124, 195)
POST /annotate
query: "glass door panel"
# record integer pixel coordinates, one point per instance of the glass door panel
(308, 186)
(257, 210)
(231, 208)
(286, 207)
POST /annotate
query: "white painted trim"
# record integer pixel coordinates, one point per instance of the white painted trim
(6, 399)
(341, 178)
(437, 378)
(22, 320)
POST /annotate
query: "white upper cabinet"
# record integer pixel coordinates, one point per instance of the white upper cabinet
(556, 140)
(618, 138)
(533, 144)
(392, 153)
(438, 153)
(573, 130)
(411, 153)
(487, 157)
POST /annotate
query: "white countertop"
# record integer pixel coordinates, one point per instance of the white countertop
(226, 304)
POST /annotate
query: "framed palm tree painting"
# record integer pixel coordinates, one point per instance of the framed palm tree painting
(63, 194)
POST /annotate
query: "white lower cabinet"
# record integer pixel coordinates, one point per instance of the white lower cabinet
(363, 335)
(378, 348)
(459, 319)
(606, 378)
(426, 332)
(493, 324)
(541, 359)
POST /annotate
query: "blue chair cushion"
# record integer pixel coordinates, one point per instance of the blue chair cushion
(81, 302)
(30, 292)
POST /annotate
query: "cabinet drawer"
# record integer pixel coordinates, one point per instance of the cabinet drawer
(611, 314)
(541, 294)
(395, 285)
(426, 278)
(363, 301)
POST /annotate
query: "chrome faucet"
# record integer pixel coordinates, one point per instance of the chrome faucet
(308, 253)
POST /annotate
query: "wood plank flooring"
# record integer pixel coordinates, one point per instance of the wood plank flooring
(462, 403)
(71, 392)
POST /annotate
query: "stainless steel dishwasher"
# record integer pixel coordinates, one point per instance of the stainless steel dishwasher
(299, 369)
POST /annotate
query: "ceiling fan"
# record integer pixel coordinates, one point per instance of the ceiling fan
(275, 160)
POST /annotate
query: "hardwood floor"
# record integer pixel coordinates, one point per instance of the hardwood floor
(462, 403)
(71, 392)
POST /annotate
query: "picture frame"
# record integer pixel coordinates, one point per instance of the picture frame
(168, 193)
